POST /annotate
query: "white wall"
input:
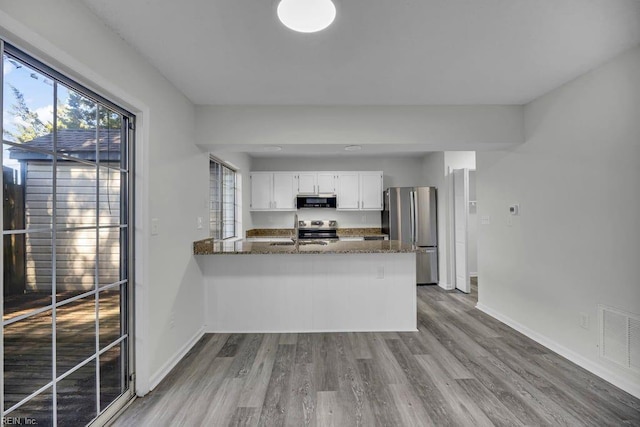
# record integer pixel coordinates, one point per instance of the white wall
(398, 172)
(576, 243)
(432, 127)
(172, 174)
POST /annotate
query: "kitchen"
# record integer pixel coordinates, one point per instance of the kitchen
(330, 246)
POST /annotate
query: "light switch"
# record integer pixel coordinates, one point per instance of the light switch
(155, 226)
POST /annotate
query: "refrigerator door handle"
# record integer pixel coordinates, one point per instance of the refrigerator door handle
(416, 211)
(412, 215)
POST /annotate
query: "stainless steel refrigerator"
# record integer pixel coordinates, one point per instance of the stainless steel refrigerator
(410, 216)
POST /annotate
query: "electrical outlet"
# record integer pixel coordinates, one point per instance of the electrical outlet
(584, 320)
(199, 223)
(380, 272)
(172, 319)
(155, 226)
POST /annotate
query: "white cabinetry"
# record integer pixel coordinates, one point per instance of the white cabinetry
(277, 191)
(348, 191)
(261, 191)
(273, 191)
(316, 182)
(326, 182)
(359, 190)
(307, 182)
(371, 191)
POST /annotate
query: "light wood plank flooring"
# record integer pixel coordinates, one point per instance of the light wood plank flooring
(462, 368)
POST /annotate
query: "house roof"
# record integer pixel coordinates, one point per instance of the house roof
(76, 142)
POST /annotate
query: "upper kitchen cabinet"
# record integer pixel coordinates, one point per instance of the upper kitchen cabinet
(261, 191)
(307, 182)
(348, 191)
(371, 191)
(326, 182)
(359, 190)
(273, 191)
(310, 183)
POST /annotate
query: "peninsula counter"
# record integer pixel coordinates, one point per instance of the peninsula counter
(282, 287)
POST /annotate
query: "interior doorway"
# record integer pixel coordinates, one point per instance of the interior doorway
(465, 230)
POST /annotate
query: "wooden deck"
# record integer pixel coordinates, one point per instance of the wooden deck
(28, 357)
(463, 368)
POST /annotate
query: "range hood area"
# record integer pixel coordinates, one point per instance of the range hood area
(319, 201)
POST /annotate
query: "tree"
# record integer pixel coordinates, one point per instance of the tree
(78, 113)
(30, 126)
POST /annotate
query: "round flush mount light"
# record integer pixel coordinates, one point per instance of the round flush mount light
(271, 148)
(306, 16)
(353, 148)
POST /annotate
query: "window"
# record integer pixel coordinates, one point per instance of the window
(222, 216)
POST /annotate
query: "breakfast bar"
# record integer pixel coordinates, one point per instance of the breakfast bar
(291, 286)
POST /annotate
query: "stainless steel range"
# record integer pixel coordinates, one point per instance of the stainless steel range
(318, 229)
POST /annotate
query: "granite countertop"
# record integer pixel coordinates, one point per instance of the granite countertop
(242, 247)
(288, 232)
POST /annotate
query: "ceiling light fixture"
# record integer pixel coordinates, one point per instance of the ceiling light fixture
(306, 16)
(352, 148)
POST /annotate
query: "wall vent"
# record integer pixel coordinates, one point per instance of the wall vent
(619, 337)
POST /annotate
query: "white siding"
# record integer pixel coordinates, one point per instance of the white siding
(76, 207)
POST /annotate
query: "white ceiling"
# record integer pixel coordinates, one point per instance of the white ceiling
(378, 52)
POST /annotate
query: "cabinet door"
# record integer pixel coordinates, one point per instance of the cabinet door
(326, 182)
(261, 191)
(371, 190)
(307, 183)
(284, 191)
(348, 193)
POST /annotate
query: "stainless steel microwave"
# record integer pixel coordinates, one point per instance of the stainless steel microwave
(316, 202)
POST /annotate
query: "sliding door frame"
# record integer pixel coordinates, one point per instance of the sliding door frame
(128, 203)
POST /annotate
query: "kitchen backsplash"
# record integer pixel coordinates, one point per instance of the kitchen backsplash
(360, 219)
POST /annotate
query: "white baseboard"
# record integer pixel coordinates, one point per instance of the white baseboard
(446, 286)
(173, 361)
(595, 368)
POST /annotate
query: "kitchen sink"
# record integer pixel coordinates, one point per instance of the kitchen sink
(301, 243)
(281, 244)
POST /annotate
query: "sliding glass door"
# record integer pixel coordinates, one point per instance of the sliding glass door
(67, 245)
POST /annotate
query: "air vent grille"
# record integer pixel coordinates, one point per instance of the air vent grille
(620, 337)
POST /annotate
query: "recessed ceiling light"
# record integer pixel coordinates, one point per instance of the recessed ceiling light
(306, 16)
(271, 148)
(352, 148)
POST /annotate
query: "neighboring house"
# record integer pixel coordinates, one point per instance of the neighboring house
(76, 194)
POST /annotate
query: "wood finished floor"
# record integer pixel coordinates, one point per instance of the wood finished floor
(462, 368)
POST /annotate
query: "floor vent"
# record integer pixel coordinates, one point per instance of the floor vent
(619, 337)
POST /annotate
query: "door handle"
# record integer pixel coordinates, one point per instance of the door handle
(412, 216)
